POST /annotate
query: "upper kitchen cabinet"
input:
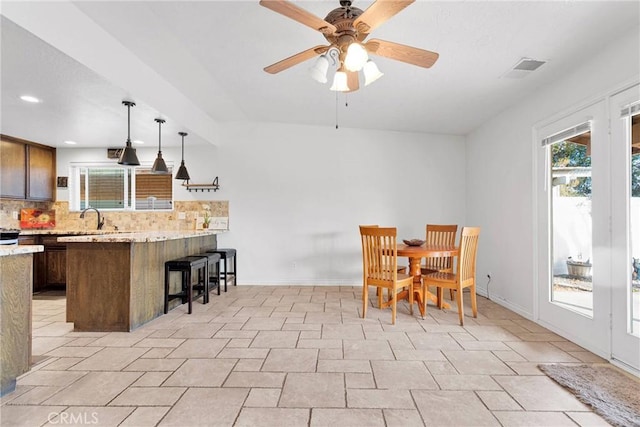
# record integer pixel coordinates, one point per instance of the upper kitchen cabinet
(27, 169)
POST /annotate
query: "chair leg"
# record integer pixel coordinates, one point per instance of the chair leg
(474, 305)
(394, 301)
(440, 297)
(380, 297)
(451, 291)
(411, 289)
(365, 299)
(425, 290)
(460, 309)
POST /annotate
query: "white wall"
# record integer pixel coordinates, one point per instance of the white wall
(298, 193)
(500, 176)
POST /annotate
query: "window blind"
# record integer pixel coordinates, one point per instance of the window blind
(567, 133)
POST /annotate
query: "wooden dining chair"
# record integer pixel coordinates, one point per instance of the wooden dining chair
(465, 276)
(380, 267)
(440, 235)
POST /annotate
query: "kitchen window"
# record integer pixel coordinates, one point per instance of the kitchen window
(112, 187)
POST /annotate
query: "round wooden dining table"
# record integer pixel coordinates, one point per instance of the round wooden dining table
(415, 255)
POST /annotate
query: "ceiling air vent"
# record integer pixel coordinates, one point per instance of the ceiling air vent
(523, 68)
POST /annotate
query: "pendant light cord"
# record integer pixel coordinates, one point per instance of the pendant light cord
(129, 123)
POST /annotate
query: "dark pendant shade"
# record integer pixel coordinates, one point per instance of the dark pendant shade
(128, 156)
(159, 166)
(182, 170)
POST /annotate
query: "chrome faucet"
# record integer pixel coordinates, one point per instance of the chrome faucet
(100, 218)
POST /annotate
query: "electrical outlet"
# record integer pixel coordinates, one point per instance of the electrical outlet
(14, 214)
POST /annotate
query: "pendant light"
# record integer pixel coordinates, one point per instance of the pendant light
(128, 156)
(182, 170)
(159, 166)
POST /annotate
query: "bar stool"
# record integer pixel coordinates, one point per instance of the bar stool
(225, 255)
(186, 266)
(213, 264)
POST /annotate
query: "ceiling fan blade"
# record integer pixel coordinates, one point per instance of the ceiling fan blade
(352, 81)
(295, 59)
(296, 13)
(378, 13)
(400, 52)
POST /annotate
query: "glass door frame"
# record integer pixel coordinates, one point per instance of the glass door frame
(594, 332)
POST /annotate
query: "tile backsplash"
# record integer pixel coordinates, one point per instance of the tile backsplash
(123, 221)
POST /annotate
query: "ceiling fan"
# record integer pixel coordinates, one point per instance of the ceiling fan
(346, 28)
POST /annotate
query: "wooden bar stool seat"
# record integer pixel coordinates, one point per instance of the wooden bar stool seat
(186, 266)
(226, 254)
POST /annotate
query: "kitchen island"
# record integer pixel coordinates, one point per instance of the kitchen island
(115, 282)
(15, 307)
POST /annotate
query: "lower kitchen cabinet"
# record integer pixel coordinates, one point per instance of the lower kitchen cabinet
(50, 266)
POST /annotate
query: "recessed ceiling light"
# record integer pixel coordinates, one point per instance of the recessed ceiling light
(137, 141)
(29, 98)
(70, 142)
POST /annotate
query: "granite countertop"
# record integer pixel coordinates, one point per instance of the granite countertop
(55, 231)
(6, 250)
(139, 236)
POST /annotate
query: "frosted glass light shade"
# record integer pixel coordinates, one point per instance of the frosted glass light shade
(371, 72)
(356, 57)
(319, 70)
(340, 82)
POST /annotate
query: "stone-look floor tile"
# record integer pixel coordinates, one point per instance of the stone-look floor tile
(546, 336)
(67, 351)
(322, 319)
(541, 352)
(62, 364)
(43, 345)
(466, 382)
(272, 417)
(308, 307)
(28, 416)
(248, 365)
(155, 365)
(310, 335)
(399, 374)
(117, 339)
(499, 401)
(275, 339)
(453, 408)
(148, 396)
(95, 388)
(525, 368)
(90, 415)
(371, 398)
(539, 393)
(17, 392)
(188, 411)
(145, 416)
(255, 379)
(200, 373)
(263, 324)
(508, 356)
(367, 350)
(109, 359)
(243, 353)
(235, 334)
(152, 379)
(444, 368)
(202, 331)
(239, 343)
(477, 362)
(319, 343)
(291, 360)
(587, 419)
(160, 342)
(483, 345)
(402, 418)
(346, 417)
(431, 355)
(313, 390)
(35, 396)
(263, 398)
(587, 357)
(157, 353)
(356, 380)
(521, 418)
(567, 346)
(330, 354)
(50, 378)
(362, 366)
(56, 329)
(199, 348)
(491, 333)
(422, 341)
(166, 333)
(342, 332)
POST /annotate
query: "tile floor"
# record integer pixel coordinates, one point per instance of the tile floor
(296, 356)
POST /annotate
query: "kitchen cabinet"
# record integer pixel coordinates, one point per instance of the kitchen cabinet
(28, 170)
(50, 266)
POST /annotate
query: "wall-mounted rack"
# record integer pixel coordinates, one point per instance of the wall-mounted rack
(202, 187)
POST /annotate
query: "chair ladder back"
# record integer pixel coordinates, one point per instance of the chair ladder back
(468, 252)
(441, 235)
(379, 254)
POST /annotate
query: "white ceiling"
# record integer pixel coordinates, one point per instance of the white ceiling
(208, 58)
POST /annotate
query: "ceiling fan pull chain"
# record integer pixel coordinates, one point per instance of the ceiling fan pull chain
(336, 109)
(346, 100)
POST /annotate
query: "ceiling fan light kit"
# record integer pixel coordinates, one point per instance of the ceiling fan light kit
(346, 28)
